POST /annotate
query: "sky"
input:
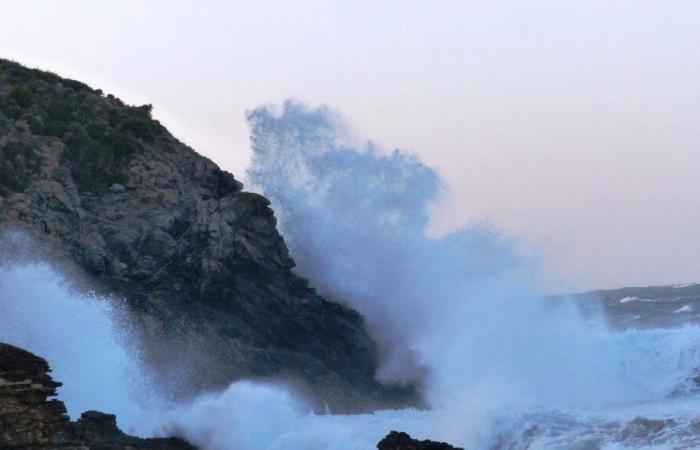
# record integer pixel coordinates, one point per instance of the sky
(571, 126)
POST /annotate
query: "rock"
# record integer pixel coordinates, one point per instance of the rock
(397, 440)
(205, 272)
(643, 429)
(29, 420)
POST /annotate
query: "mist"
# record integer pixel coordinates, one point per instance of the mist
(457, 315)
(85, 338)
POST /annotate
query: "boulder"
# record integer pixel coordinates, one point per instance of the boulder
(397, 440)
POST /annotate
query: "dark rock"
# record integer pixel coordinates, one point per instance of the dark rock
(201, 264)
(644, 429)
(29, 420)
(397, 440)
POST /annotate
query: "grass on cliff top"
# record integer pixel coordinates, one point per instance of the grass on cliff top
(100, 132)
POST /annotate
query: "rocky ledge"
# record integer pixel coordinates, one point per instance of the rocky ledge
(30, 420)
(397, 440)
(204, 271)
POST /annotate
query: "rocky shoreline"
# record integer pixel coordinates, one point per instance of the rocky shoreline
(31, 419)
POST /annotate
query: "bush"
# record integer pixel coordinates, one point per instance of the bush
(56, 128)
(22, 155)
(4, 127)
(141, 128)
(97, 157)
(143, 111)
(23, 95)
(19, 161)
(10, 108)
(36, 126)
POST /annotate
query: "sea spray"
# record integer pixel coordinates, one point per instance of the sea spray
(457, 314)
(355, 222)
(83, 337)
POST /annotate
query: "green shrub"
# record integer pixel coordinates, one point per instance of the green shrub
(4, 126)
(36, 126)
(59, 109)
(9, 180)
(22, 155)
(141, 128)
(56, 128)
(19, 161)
(143, 111)
(23, 95)
(10, 108)
(98, 157)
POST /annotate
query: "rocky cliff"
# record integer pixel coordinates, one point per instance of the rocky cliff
(29, 420)
(206, 275)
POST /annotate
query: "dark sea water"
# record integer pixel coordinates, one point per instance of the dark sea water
(646, 307)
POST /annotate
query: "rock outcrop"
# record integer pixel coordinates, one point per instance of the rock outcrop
(397, 440)
(199, 261)
(29, 420)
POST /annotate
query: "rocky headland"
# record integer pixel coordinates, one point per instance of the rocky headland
(200, 263)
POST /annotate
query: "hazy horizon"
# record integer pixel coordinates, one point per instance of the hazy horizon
(571, 127)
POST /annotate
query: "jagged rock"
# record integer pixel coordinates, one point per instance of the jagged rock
(206, 274)
(397, 440)
(30, 421)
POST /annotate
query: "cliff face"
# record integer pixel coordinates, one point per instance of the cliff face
(29, 420)
(200, 262)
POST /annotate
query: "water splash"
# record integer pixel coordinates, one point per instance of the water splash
(457, 314)
(82, 336)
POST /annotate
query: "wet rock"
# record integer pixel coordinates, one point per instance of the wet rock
(29, 419)
(397, 440)
(644, 430)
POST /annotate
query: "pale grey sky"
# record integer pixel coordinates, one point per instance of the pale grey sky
(574, 126)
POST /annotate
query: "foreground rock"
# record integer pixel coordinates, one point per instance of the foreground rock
(397, 440)
(29, 420)
(204, 270)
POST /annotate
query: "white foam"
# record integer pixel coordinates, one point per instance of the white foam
(680, 286)
(81, 339)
